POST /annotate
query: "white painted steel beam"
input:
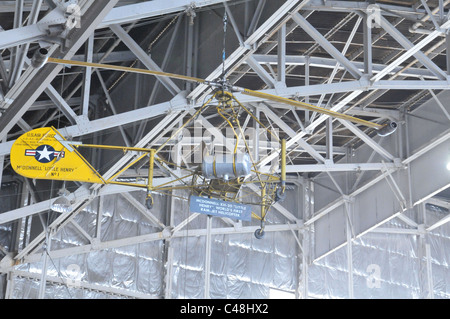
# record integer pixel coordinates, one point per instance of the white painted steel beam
(61, 103)
(439, 223)
(34, 81)
(65, 252)
(375, 202)
(366, 139)
(119, 15)
(281, 54)
(83, 128)
(57, 280)
(367, 43)
(251, 43)
(311, 127)
(148, 9)
(87, 77)
(179, 103)
(285, 127)
(324, 43)
(143, 210)
(347, 6)
(144, 58)
(329, 63)
(414, 85)
(9, 6)
(34, 32)
(439, 202)
(261, 72)
(411, 50)
(233, 23)
(335, 167)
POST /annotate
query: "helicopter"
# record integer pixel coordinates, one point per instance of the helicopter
(44, 153)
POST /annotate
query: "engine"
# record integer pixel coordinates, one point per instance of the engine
(227, 166)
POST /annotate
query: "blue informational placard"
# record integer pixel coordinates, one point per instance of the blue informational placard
(220, 208)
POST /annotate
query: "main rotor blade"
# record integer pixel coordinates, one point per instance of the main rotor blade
(266, 96)
(125, 69)
(311, 107)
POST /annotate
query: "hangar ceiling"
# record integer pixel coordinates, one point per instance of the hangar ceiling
(380, 61)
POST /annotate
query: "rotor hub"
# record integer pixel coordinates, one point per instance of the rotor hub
(223, 96)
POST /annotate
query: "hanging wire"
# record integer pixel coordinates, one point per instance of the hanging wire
(225, 20)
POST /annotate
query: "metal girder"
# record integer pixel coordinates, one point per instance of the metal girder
(34, 81)
(250, 45)
(65, 252)
(285, 127)
(328, 63)
(20, 52)
(233, 23)
(112, 107)
(324, 43)
(175, 105)
(335, 167)
(444, 111)
(34, 32)
(314, 89)
(144, 58)
(411, 50)
(414, 85)
(344, 52)
(8, 6)
(376, 201)
(61, 103)
(347, 87)
(281, 54)
(364, 137)
(261, 72)
(143, 210)
(439, 223)
(123, 14)
(311, 126)
(353, 6)
(367, 45)
(108, 290)
(86, 89)
(147, 9)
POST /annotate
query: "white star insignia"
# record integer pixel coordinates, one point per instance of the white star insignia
(45, 153)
